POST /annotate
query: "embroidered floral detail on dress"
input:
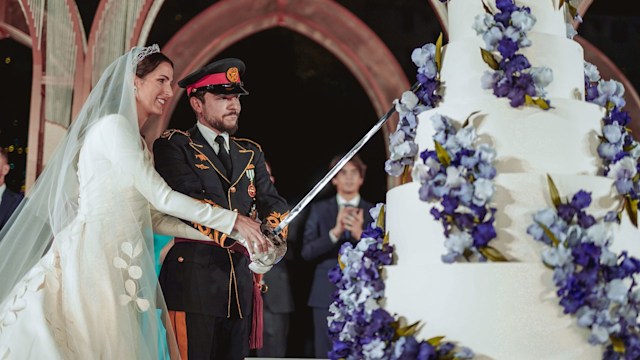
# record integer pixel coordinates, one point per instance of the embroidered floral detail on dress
(16, 303)
(134, 272)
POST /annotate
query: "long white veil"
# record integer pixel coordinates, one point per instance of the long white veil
(52, 204)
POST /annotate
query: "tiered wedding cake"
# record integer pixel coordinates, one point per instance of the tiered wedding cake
(504, 310)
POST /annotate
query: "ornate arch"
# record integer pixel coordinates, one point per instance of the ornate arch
(324, 21)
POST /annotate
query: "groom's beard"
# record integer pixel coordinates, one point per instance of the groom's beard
(221, 125)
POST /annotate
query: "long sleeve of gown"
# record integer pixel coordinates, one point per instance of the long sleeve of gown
(125, 150)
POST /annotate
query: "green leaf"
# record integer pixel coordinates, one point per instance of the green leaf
(380, 220)
(547, 231)
(492, 254)
(408, 330)
(618, 345)
(438, 58)
(435, 341)
(468, 119)
(539, 102)
(488, 58)
(385, 240)
(553, 191)
(573, 11)
(442, 154)
(631, 206)
(542, 103)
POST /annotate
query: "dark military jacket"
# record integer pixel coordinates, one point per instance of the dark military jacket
(200, 277)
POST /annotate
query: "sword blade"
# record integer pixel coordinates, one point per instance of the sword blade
(293, 213)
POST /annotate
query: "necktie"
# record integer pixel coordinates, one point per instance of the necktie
(223, 155)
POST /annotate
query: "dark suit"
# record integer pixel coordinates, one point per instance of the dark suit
(318, 247)
(8, 204)
(212, 284)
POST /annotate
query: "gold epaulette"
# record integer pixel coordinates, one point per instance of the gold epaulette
(167, 134)
(247, 140)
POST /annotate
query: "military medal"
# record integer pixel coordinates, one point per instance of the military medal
(251, 190)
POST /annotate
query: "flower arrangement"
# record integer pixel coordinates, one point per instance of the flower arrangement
(358, 326)
(594, 284)
(619, 151)
(402, 147)
(513, 77)
(460, 176)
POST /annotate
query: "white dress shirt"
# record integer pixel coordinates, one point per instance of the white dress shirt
(342, 203)
(211, 135)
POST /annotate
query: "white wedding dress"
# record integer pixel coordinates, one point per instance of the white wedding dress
(94, 294)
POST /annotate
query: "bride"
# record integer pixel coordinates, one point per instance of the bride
(77, 274)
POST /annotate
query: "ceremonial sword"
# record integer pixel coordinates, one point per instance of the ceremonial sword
(273, 234)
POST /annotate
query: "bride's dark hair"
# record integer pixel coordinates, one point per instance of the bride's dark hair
(150, 63)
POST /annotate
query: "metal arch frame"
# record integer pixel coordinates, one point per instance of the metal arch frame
(324, 21)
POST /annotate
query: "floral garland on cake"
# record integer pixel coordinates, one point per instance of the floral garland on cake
(618, 150)
(513, 77)
(460, 176)
(402, 146)
(594, 284)
(358, 327)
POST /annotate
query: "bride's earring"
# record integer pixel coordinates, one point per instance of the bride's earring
(135, 90)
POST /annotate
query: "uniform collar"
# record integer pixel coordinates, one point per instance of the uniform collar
(210, 136)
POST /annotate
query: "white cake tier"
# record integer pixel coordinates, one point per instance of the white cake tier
(461, 14)
(463, 67)
(528, 139)
(500, 311)
(418, 238)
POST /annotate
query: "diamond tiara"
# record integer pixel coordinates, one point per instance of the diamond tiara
(144, 52)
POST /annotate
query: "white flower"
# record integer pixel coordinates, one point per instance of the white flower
(483, 191)
(599, 335)
(407, 103)
(559, 256)
(482, 23)
(591, 71)
(523, 20)
(491, 38)
(598, 234)
(625, 168)
(375, 211)
(454, 177)
(374, 350)
(466, 136)
(421, 56)
(458, 242)
(542, 76)
(617, 291)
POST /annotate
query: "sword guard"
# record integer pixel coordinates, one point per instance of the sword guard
(276, 251)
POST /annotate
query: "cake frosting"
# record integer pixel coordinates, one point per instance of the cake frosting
(504, 310)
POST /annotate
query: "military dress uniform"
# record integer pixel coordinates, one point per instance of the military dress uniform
(207, 285)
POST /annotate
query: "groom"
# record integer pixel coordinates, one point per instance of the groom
(213, 297)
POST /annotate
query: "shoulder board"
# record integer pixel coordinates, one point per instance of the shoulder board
(167, 134)
(247, 140)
